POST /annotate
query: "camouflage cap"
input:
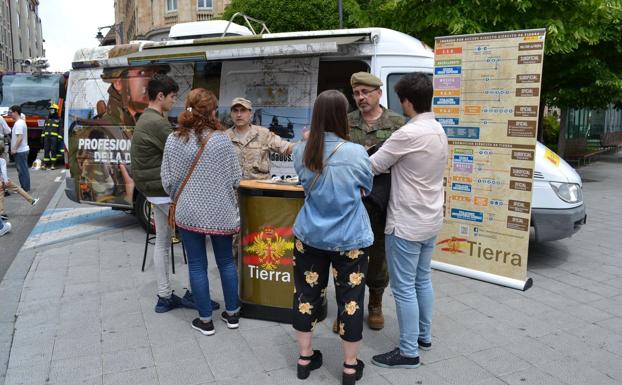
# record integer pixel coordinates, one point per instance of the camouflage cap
(365, 79)
(242, 102)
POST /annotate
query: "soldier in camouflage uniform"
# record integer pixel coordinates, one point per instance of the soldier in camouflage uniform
(371, 124)
(253, 144)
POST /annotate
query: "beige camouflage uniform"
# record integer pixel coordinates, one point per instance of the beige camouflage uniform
(254, 151)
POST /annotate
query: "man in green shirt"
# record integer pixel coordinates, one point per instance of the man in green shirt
(371, 124)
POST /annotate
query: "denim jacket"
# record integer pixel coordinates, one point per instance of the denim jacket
(333, 217)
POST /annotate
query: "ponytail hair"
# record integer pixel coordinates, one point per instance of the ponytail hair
(199, 114)
(330, 114)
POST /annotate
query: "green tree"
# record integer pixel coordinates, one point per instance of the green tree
(583, 51)
(299, 15)
(583, 64)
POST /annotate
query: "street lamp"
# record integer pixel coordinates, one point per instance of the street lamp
(118, 28)
(340, 6)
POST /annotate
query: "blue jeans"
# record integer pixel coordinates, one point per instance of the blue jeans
(197, 271)
(21, 164)
(411, 283)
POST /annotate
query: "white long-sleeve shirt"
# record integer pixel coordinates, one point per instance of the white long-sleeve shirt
(416, 154)
(4, 129)
(3, 174)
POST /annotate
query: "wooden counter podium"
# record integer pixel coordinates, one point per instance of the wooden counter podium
(267, 215)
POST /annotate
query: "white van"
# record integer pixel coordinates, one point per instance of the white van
(281, 73)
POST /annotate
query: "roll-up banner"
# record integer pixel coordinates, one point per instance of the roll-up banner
(486, 96)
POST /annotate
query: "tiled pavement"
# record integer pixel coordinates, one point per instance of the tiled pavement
(80, 312)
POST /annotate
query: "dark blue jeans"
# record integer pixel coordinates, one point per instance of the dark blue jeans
(197, 271)
(21, 164)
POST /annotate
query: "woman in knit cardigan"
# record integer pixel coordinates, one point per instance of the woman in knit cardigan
(206, 205)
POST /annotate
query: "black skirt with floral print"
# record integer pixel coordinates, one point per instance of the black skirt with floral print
(311, 272)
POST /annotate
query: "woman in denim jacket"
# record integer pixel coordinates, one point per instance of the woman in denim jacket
(331, 228)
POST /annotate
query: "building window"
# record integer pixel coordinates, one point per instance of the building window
(171, 5)
(205, 4)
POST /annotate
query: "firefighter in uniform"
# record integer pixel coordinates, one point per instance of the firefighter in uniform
(52, 136)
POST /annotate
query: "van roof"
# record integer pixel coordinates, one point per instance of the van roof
(208, 28)
(388, 42)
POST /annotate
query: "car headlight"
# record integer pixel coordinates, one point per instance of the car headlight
(568, 192)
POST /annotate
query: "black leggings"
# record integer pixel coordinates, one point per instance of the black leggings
(311, 272)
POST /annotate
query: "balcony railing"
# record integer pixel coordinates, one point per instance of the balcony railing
(205, 15)
(170, 18)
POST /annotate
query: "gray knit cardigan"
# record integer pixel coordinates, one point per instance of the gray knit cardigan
(208, 202)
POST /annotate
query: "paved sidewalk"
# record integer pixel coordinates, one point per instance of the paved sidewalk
(80, 311)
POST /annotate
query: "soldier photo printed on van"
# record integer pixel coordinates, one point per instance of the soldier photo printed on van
(100, 143)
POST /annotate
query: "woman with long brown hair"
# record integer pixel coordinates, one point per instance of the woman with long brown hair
(332, 228)
(200, 172)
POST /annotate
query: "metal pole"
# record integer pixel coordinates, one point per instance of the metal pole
(340, 14)
(119, 28)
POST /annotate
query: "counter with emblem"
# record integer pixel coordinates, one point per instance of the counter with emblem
(267, 214)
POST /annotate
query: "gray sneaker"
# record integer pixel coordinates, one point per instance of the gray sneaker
(5, 229)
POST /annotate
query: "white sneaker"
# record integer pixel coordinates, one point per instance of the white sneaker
(6, 228)
(34, 201)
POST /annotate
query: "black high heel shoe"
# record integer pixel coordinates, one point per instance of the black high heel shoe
(315, 361)
(350, 379)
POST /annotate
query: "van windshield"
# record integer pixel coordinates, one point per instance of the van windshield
(33, 93)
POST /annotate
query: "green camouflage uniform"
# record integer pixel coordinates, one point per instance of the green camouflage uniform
(377, 275)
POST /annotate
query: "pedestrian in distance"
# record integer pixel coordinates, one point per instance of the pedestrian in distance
(416, 154)
(6, 183)
(332, 228)
(19, 146)
(150, 134)
(201, 172)
(5, 130)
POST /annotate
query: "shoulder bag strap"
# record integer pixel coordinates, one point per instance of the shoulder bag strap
(317, 174)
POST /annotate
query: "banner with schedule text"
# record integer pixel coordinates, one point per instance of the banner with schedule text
(486, 96)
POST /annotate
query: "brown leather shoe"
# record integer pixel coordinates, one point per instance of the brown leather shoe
(375, 318)
(335, 327)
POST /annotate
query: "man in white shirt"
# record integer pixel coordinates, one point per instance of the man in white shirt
(19, 147)
(416, 154)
